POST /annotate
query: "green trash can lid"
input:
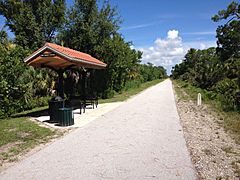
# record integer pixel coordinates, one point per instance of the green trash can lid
(64, 109)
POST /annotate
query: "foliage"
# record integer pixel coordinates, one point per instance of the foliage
(228, 34)
(33, 22)
(3, 37)
(228, 90)
(217, 69)
(204, 69)
(200, 67)
(87, 27)
(20, 86)
(149, 72)
(93, 29)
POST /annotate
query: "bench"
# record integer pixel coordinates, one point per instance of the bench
(86, 101)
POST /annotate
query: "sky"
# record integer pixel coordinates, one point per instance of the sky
(165, 29)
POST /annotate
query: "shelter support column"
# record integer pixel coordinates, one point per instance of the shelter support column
(60, 83)
(84, 76)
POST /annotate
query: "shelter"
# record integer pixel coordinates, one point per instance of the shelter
(60, 59)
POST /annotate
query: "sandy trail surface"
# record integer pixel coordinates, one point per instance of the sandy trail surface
(140, 139)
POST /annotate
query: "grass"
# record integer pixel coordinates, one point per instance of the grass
(231, 119)
(26, 113)
(227, 149)
(130, 92)
(236, 166)
(19, 135)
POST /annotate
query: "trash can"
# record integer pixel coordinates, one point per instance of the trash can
(65, 116)
(54, 104)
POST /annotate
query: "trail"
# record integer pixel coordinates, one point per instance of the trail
(140, 139)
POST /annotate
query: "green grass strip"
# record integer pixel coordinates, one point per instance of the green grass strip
(130, 92)
(18, 135)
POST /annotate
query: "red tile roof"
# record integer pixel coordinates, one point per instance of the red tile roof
(65, 57)
(75, 54)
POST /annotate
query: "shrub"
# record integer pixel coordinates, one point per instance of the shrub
(132, 84)
(229, 92)
(21, 87)
(109, 93)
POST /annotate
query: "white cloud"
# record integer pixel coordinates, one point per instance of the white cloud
(138, 26)
(172, 34)
(165, 52)
(201, 33)
(132, 47)
(169, 51)
(199, 44)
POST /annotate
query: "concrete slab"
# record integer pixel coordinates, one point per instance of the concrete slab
(82, 119)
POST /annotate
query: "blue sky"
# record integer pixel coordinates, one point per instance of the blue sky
(165, 29)
(144, 21)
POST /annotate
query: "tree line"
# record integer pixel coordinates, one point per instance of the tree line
(86, 26)
(217, 69)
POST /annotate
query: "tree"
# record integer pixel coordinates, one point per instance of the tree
(93, 30)
(229, 50)
(217, 70)
(3, 37)
(33, 22)
(79, 30)
(207, 69)
(229, 34)
(87, 26)
(122, 61)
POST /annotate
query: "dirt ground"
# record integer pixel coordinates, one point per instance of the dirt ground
(214, 153)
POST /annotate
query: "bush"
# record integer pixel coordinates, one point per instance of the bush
(229, 93)
(21, 87)
(109, 93)
(132, 84)
(210, 94)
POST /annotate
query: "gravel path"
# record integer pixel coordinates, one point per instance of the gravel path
(214, 153)
(141, 139)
